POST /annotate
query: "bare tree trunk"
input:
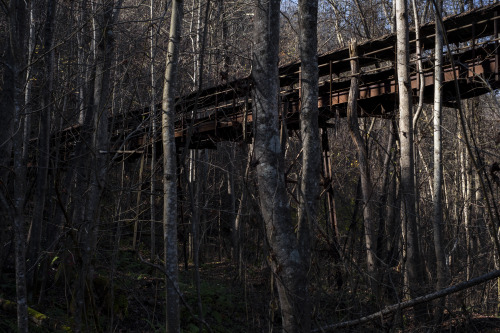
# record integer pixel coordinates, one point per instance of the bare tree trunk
(414, 263)
(438, 170)
(366, 185)
(286, 256)
(116, 238)
(392, 225)
(154, 132)
(138, 204)
(231, 195)
(309, 130)
(363, 20)
(383, 194)
(77, 176)
(196, 167)
(12, 110)
(238, 221)
(467, 190)
(43, 149)
(196, 41)
(390, 14)
(100, 143)
(7, 114)
(420, 66)
(194, 182)
(83, 45)
(332, 214)
(170, 169)
(338, 33)
(29, 84)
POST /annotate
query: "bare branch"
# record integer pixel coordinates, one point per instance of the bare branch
(411, 303)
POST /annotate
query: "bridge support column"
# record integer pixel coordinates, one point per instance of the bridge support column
(495, 36)
(330, 199)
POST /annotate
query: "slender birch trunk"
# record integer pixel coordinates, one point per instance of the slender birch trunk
(338, 15)
(420, 66)
(366, 29)
(196, 166)
(438, 170)
(413, 262)
(83, 78)
(366, 185)
(383, 195)
(100, 144)
(467, 184)
(170, 168)
(238, 221)
(154, 132)
(77, 176)
(43, 148)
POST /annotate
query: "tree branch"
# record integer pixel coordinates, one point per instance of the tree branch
(416, 301)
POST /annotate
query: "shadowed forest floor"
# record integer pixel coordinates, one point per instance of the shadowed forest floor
(230, 302)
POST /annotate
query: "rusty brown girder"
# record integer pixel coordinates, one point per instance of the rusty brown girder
(378, 97)
(224, 112)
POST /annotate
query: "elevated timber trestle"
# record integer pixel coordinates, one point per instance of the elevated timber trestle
(224, 112)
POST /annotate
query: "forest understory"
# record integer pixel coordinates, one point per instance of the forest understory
(289, 166)
(232, 299)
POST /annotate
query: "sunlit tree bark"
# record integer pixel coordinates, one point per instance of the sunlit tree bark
(286, 257)
(438, 168)
(154, 130)
(414, 265)
(369, 213)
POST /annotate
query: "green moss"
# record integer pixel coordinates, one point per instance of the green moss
(37, 316)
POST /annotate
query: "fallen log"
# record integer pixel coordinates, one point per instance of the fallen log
(407, 304)
(37, 318)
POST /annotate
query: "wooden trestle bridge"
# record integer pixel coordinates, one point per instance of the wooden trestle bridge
(224, 112)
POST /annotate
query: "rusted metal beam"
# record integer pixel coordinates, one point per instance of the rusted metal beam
(224, 112)
(377, 96)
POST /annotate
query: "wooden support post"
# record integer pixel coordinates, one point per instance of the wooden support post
(300, 87)
(495, 34)
(138, 203)
(283, 128)
(234, 104)
(215, 116)
(330, 101)
(473, 48)
(183, 128)
(245, 118)
(337, 111)
(328, 183)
